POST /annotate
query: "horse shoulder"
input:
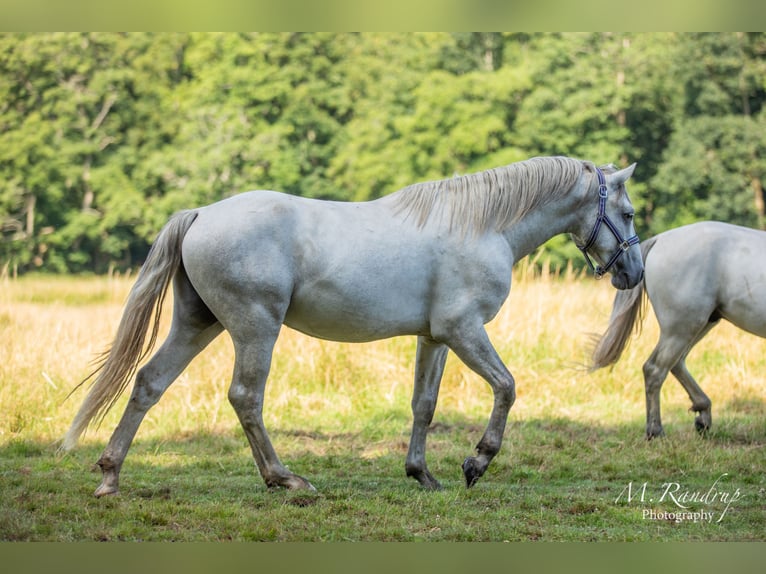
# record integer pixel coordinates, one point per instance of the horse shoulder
(472, 281)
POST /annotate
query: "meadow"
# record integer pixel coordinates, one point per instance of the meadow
(574, 464)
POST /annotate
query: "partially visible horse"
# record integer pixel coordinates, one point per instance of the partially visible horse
(695, 276)
(432, 260)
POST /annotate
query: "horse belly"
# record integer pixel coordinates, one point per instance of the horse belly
(744, 303)
(338, 314)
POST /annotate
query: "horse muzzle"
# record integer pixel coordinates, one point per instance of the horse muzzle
(627, 279)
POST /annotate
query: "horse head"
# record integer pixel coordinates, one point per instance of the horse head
(610, 234)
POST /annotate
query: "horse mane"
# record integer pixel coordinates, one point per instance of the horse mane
(491, 199)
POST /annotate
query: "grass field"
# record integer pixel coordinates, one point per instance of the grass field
(574, 464)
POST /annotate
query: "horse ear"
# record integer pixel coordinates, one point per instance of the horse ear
(620, 177)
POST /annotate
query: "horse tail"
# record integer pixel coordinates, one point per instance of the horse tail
(627, 317)
(117, 365)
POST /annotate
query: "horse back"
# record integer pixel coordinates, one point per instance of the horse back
(341, 271)
(709, 269)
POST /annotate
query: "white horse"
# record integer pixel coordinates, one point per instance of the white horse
(432, 260)
(696, 275)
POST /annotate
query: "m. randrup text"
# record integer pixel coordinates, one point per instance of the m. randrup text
(707, 502)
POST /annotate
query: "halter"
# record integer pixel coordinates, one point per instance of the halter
(624, 244)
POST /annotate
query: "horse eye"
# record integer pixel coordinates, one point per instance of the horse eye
(628, 216)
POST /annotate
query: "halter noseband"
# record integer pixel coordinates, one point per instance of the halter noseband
(624, 244)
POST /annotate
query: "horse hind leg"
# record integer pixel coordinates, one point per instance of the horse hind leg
(667, 352)
(253, 350)
(669, 356)
(193, 328)
(701, 403)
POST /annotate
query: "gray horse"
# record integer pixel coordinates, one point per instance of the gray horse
(695, 276)
(432, 260)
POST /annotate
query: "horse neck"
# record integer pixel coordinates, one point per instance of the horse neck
(543, 223)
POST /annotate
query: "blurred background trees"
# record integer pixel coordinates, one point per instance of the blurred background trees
(103, 136)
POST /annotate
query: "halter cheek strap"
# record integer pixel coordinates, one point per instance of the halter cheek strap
(603, 218)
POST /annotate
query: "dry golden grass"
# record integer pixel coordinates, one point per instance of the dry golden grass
(52, 329)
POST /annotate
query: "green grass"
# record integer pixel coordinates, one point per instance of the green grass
(339, 415)
(555, 480)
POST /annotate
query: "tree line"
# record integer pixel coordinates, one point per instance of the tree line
(103, 135)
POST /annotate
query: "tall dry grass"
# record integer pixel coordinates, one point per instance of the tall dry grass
(52, 329)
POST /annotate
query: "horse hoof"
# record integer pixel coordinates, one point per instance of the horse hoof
(110, 483)
(425, 479)
(429, 482)
(472, 471)
(302, 484)
(105, 490)
(292, 482)
(655, 434)
(701, 425)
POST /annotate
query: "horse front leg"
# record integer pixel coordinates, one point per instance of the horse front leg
(429, 367)
(476, 351)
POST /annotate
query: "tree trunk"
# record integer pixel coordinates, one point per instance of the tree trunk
(760, 208)
(29, 208)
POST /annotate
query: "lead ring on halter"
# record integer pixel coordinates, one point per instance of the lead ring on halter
(624, 244)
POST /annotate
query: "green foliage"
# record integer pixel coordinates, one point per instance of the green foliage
(713, 169)
(103, 136)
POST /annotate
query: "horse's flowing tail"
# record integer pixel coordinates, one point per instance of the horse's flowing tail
(117, 365)
(627, 316)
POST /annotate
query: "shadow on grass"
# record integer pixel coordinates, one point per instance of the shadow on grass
(554, 479)
(542, 449)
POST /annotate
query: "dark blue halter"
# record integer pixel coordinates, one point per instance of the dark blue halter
(624, 244)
